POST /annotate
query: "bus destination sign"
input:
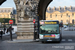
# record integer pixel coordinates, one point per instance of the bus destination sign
(50, 22)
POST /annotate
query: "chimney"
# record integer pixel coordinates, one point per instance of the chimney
(64, 7)
(48, 8)
(70, 7)
(59, 8)
(54, 8)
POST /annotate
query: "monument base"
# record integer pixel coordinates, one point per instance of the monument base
(25, 30)
(25, 35)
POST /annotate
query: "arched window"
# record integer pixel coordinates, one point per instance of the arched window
(72, 14)
(72, 21)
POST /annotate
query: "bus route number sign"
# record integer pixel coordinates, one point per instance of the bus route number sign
(50, 22)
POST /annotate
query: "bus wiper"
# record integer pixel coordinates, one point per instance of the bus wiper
(54, 33)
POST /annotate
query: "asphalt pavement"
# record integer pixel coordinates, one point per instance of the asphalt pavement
(67, 43)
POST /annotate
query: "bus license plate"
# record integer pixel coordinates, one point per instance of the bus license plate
(47, 36)
(50, 36)
(49, 40)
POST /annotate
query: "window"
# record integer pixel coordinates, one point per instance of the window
(4, 15)
(72, 21)
(0, 15)
(49, 29)
(5, 11)
(67, 21)
(67, 14)
(51, 16)
(8, 15)
(61, 15)
(56, 15)
(72, 14)
(8, 10)
(1, 10)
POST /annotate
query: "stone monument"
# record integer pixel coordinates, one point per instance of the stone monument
(26, 11)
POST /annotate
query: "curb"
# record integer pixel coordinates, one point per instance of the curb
(16, 41)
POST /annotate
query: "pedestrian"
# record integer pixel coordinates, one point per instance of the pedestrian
(1, 32)
(7, 30)
(4, 28)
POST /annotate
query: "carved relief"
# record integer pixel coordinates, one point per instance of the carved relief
(26, 8)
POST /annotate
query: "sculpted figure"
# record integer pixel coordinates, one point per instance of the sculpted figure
(25, 8)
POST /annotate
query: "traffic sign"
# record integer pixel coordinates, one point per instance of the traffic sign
(11, 21)
(33, 20)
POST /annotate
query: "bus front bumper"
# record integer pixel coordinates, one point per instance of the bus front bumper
(49, 39)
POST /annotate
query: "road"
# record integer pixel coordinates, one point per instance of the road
(68, 35)
(67, 43)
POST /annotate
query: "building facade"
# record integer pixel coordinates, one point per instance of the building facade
(6, 12)
(62, 14)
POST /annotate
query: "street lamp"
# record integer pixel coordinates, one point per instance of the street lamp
(11, 27)
(4, 24)
(11, 16)
(69, 22)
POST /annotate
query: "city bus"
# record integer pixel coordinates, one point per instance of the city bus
(49, 30)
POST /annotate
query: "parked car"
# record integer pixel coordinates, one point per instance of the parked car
(65, 26)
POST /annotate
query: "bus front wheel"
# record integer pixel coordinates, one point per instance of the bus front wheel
(60, 39)
(43, 41)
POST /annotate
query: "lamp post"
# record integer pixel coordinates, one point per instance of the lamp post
(4, 24)
(69, 22)
(10, 28)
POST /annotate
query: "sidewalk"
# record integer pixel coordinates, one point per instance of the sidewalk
(22, 41)
(13, 32)
(15, 40)
(6, 37)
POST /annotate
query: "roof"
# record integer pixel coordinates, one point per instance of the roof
(61, 10)
(6, 7)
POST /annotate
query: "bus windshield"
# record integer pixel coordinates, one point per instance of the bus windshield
(47, 29)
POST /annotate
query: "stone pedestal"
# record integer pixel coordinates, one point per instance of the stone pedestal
(25, 29)
(25, 35)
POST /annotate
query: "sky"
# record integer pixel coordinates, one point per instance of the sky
(9, 3)
(56, 3)
(62, 3)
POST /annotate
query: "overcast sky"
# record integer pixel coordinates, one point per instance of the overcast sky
(56, 3)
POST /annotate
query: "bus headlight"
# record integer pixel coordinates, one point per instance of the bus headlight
(57, 36)
(41, 36)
